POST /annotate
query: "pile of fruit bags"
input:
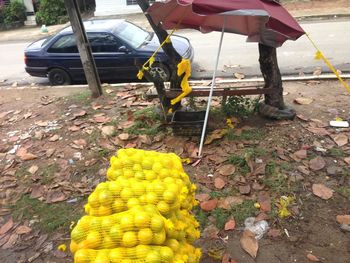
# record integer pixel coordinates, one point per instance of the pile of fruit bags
(141, 214)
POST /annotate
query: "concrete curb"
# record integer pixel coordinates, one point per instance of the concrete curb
(192, 82)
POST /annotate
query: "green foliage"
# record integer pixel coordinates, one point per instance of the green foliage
(336, 152)
(252, 134)
(221, 217)
(51, 216)
(51, 12)
(14, 12)
(240, 106)
(147, 122)
(244, 210)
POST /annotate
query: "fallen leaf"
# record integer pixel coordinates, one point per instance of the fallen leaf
(74, 128)
(318, 131)
(145, 139)
(244, 189)
(55, 196)
(6, 227)
(54, 138)
(202, 197)
(80, 113)
(230, 224)
(317, 72)
(23, 230)
(249, 243)
(11, 242)
(227, 202)
(343, 219)
(301, 154)
(341, 139)
(264, 202)
(33, 169)
(273, 232)
(209, 205)
(24, 155)
(227, 169)
(41, 123)
(317, 163)
(37, 191)
(312, 257)
(322, 191)
(303, 101)
(81, 142)
(219, 183)
(215, 135)
(303, 170)
(102, 119)
(347, 160)
(108, 130)
(124, 136)
(211, 232)
(239, 75)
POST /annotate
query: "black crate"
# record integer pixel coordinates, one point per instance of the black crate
(188, 123)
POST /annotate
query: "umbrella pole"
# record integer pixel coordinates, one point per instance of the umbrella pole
(211, 93)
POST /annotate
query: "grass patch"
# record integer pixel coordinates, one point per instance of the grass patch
(221, 217)
(240, 162)
(271, 168)
(244, 210)
(93, 137)
(51, 216)
(336, 152)
(82, 97)
(103, 153)
(240, 106)
(21, 172)
(147, 122)
(49, 173)
(277, 183)
(246, 135)
(201, 216)
(344, 191)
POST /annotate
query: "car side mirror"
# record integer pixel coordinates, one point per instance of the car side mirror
(123, 49)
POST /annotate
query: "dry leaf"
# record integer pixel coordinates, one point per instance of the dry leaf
(230, 224)
(55, 196)
(239, 75)
(37, 191)
(301, 154)
(312, 258)
(6, 227)
(23, 230)
(211, 232)
(209, 205)
(102, 119)
(303, 101)
(219, 183)
(108, 130)
(244, 189)
(341, 139)
(264, 201)
(273, 232)
(202, 197)
(11, 242)
(33, 169)
(24, 155)
(322, 191)
(54, 138)
(318, 131)
(343, 219)
(80, 113)
(124, 136)
(317, 72)
(249, 243)
(227, 169)
(347, 160)
(303, 170)
(229, 201)
(317, 163)
(215, 135)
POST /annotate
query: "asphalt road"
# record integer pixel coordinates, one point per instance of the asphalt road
(332, 37)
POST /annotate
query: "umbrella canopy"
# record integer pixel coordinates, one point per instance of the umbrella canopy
(263, 21)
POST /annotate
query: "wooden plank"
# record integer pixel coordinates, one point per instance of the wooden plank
(217, 93)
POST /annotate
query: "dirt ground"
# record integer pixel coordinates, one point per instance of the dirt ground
(63, 153)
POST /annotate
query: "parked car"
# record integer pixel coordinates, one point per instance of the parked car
(118, 47)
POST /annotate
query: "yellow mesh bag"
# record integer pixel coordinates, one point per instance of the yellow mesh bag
(142, 214)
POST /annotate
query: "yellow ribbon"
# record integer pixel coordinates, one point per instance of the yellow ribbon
(184, 67)
(319, 55)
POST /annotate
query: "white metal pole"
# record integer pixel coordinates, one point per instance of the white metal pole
(211, 92)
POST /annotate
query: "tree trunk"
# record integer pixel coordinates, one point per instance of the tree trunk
(272, 76)
(170, 51)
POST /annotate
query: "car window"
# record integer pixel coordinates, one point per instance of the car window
(103, 43)
(65, 44)
(131, 34)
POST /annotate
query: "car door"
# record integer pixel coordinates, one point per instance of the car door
(113, 58)
(63, 53)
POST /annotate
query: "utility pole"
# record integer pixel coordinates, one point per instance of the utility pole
(84, 48)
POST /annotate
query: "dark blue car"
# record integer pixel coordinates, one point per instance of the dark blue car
(118, 46)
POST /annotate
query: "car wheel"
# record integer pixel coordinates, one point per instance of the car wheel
(160, 71)
(59, 77)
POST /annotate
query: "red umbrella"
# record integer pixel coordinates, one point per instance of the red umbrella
(263, 21)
